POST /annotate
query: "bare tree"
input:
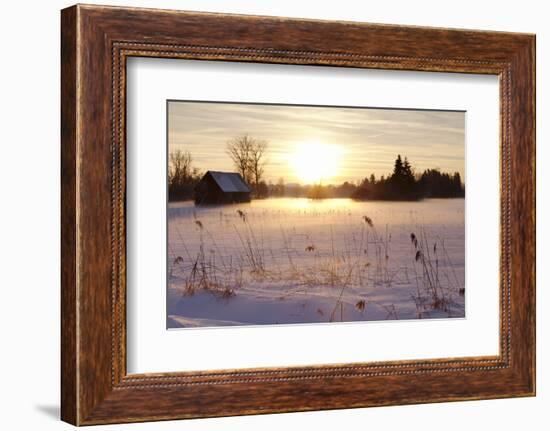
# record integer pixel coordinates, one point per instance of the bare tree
(248, 155)
(180, 167)
(239, 149)
(182, 176)
(257, 161)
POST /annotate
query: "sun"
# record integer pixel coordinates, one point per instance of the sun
(315, 162)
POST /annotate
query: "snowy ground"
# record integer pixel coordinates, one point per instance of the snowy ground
(292, 260)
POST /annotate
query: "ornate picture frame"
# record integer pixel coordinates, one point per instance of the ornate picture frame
(96, 41)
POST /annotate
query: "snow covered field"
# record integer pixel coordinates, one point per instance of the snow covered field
(294, 260)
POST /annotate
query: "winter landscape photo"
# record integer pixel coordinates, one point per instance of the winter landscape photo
(293, 214)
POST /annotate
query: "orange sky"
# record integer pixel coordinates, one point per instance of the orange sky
(305, 142)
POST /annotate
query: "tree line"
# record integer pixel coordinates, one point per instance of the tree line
(403, 184)
(248, 155)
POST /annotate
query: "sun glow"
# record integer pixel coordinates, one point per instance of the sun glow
(315, 162)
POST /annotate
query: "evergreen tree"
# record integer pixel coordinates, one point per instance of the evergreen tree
(398, 167)
(457, 183)
(407, 170)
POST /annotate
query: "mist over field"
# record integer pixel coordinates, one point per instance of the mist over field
(291, 260)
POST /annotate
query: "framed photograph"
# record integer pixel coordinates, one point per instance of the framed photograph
(284, 228)
(263, 215)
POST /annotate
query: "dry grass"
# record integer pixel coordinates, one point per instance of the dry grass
(431, 293)
(361, 262)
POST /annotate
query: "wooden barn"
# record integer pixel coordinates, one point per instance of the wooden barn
(221, 188)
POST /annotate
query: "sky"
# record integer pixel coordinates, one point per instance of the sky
(309, 144)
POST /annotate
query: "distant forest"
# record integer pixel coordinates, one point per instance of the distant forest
(248, 155)
(403, 184)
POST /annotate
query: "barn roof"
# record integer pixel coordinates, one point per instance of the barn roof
(230, 182)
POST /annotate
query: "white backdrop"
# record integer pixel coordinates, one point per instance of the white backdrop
(29, 220)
